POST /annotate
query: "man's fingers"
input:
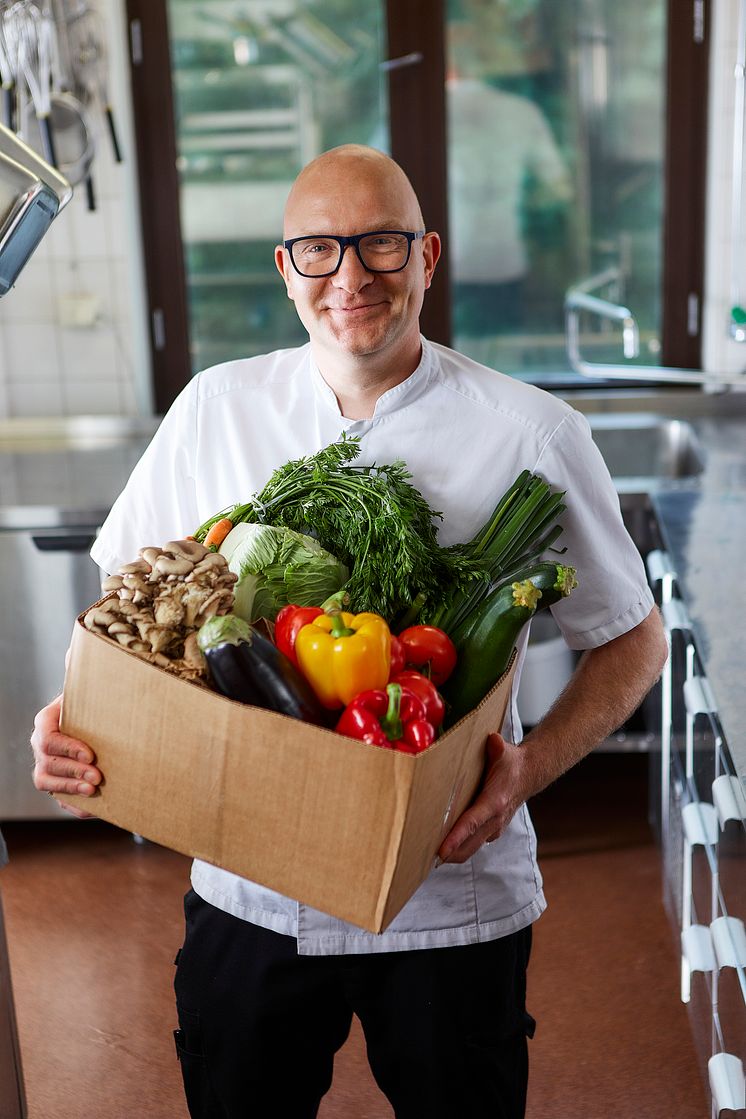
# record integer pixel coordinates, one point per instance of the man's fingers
(468, 834)
(64, 746)
(65, 767)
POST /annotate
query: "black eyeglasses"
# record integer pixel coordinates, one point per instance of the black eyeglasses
(382, 250)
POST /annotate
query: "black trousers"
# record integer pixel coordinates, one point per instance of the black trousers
(259, 1025)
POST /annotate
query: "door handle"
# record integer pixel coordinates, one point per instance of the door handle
(65, 542)
(403, 60)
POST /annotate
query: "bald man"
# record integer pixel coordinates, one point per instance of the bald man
(266, 987)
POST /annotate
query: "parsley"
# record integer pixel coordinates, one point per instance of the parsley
(371, 518)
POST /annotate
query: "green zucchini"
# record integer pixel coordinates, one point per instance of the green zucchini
(485, 644)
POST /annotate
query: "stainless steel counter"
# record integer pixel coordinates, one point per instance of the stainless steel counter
(58, 480)
(702, 520)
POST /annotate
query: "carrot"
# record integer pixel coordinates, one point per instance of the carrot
(218, 533)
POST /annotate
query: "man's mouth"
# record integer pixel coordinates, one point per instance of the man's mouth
(355, 308)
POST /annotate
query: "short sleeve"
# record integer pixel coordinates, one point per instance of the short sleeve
(158, 502)
(612, 595)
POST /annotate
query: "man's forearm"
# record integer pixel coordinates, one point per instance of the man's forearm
(609, 683)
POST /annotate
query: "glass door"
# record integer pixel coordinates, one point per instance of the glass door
(556, 142)
(260, 87)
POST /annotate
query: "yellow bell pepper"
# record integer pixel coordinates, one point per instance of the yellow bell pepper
(344, 654)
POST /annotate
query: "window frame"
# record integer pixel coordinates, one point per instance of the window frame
(417, 109)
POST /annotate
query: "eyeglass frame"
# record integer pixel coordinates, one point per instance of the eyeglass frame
(352, 241)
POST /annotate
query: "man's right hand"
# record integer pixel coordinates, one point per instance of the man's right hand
(62, 764)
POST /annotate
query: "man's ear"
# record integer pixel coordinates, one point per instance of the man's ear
(283, 265)
(431, 247)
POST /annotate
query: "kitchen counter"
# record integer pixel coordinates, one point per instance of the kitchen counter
(704, 533)
(66, 471)
(702, 521)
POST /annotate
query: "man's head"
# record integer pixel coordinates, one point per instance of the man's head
(358, 312)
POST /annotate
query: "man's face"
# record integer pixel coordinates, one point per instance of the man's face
(357, 312)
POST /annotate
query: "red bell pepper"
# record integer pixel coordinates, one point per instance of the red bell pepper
(393, 717)
(430, 651)
(435, 707)
(288, 624)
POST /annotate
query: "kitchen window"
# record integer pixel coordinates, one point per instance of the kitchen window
(548, 143)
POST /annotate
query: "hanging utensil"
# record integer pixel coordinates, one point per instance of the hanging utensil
(7, 83)
(89, 65)
(73, 137)
(30, 45)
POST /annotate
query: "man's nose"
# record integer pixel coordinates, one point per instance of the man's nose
(352, 274)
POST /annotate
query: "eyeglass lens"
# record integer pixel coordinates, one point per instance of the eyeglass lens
(380, 252)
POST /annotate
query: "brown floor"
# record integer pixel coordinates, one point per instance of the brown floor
(94, 920)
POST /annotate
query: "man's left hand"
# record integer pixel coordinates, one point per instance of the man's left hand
(503, 792)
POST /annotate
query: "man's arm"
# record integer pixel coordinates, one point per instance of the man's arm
(608, 684)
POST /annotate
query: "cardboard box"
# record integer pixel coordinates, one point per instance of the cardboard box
(346, 827)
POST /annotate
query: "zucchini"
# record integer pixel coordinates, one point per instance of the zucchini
(246, 666)
(485, 643)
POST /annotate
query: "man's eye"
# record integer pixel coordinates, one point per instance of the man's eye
(314, 248)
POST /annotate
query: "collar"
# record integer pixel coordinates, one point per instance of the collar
(400, 396)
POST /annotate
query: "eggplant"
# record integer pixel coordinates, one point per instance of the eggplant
(246, 666)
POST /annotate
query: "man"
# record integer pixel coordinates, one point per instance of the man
(266, 987)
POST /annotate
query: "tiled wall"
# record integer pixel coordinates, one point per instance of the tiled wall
(720, 353)
(89, 260)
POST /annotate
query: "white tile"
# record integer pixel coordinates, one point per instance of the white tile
(91, 398)
(88, 227)
(127, 398)
(85, 277)
(33, 398)
(118, 230)
(31, 352)
(31, 299)
(89, 355)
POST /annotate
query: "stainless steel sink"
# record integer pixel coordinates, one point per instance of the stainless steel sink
(647, 447)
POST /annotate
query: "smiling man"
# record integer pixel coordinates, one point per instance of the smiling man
(360, 302)
(266, 987)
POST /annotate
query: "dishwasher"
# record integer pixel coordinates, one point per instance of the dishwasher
(55, 491)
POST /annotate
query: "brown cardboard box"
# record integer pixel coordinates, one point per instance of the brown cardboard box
(349, 828)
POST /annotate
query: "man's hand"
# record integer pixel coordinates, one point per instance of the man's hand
(503, 792)
(62, 764)
(608, 684)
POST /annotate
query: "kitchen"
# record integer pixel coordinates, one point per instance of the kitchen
(100, 332)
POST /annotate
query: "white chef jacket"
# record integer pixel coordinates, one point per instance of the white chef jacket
(465, 433)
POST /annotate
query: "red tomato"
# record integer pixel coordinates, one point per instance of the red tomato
(435, 707)
(288, 623)
(397, 658)
(429, 650)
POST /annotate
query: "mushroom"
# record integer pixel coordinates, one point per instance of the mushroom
(117, 628)
(158, 601)
(168, 610)
(150, 554)
(136, 581)
(136, 567)
(186, 549)
(166, 565)
(193, 656)
(213, 561)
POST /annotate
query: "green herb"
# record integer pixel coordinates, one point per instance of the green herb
(522, 527)
(371, 518)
